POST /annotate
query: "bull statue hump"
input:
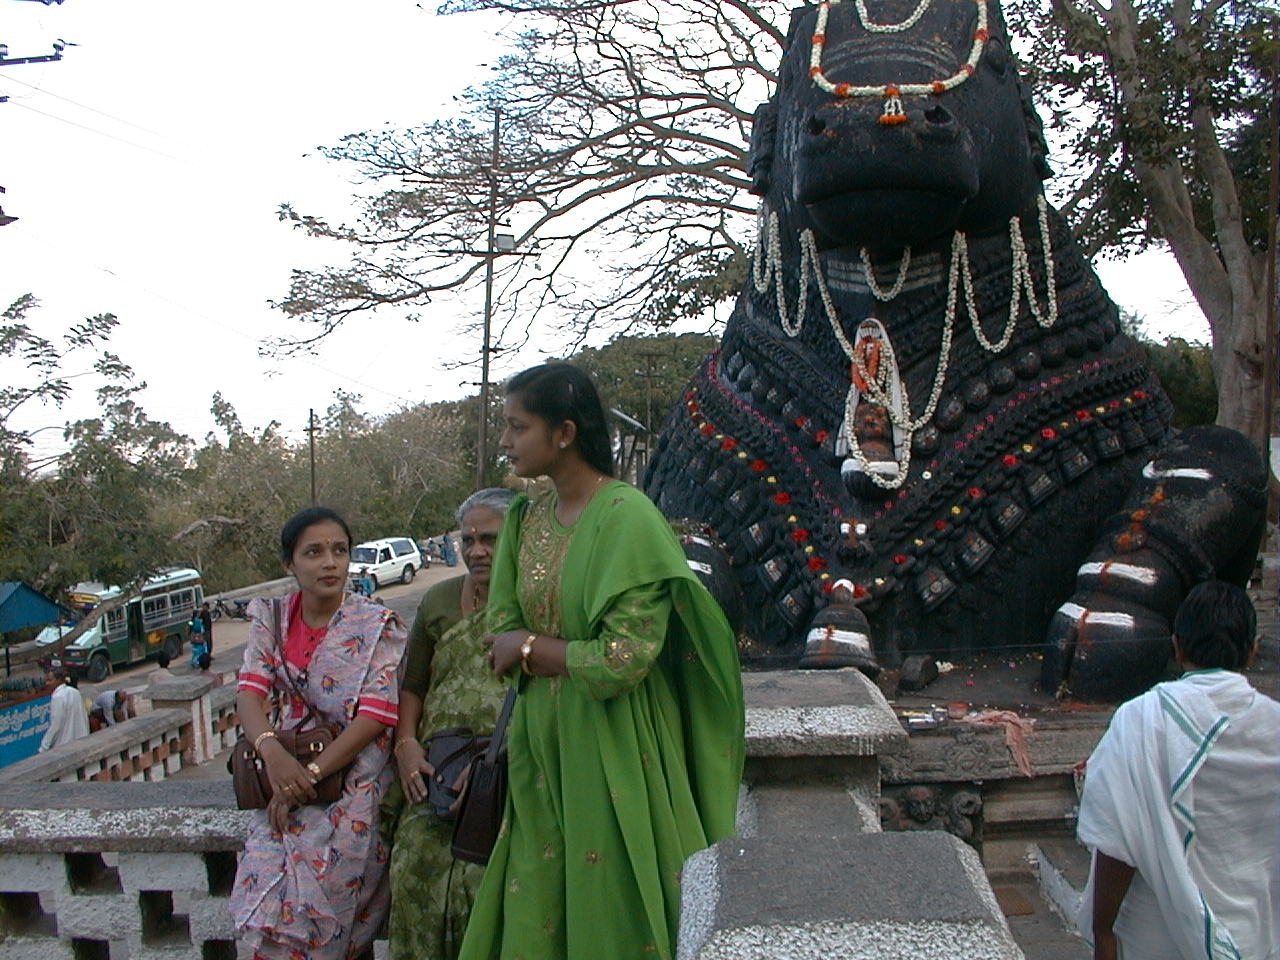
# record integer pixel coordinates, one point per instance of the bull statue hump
(924, 430)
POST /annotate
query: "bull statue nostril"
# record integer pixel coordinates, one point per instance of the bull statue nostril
(816, 126)
(938, 115)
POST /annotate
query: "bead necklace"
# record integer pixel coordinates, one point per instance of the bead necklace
(893, 92)
(895, 398)
(876, 290)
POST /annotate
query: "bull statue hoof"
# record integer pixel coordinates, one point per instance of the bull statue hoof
(839, 636)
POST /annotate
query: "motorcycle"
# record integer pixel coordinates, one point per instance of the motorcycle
(237, 609)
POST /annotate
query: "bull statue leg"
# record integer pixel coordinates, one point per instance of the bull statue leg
(1196, 513)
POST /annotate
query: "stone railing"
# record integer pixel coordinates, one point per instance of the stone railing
(191, 721)
(108, 870)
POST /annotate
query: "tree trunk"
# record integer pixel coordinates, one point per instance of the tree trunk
(1239, 365)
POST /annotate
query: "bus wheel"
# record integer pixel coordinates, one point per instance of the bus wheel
(172, 647)
(99, 667)
(406, 575)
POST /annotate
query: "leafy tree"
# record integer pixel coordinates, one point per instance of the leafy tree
(1185, 370)
(1162, 106)
(624, 133)
(644, 375)
(623, 145)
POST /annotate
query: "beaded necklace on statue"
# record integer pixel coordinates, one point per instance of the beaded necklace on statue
(879, 381)
(893, 92)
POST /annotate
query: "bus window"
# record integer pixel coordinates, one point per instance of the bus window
(155, 610)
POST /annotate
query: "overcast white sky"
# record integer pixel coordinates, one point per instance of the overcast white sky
(146, 168)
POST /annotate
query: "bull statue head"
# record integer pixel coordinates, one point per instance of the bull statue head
(845, 149)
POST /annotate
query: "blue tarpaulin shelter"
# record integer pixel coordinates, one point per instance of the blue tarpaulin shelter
(22, 606)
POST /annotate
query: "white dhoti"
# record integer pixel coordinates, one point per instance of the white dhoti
(1185, 786)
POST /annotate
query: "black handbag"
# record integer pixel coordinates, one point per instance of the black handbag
(484, 795)
(450, 753)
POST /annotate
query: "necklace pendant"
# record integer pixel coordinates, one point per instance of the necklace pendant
(893, 112)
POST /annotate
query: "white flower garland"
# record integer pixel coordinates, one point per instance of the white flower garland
(893, 92)
(865, 18)
(876, 290)
(766, 271)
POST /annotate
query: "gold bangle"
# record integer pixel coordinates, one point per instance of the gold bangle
(264, 735)
(526, 649)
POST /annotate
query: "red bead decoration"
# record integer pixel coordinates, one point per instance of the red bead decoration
(759, 466)
(728, 443)
(900, 558)
(707, 429)
(802, 422)
(821, 436)
(1009, 460)
(1082, 414)
(782, 498)
(975, 493)
(816, 564)
(939, 524)
(1048, 433)
(859, 591)
(799, 534)
(1139, 394)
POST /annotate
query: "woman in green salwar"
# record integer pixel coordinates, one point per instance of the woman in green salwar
(626, 743)
(447, 683)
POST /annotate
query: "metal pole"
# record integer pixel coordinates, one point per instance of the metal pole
(311, 436)
(482, 452)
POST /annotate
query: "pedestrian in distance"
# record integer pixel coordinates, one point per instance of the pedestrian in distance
(199, 644)
(1180, 803)
(312, 880)
(206, 617)
(625, 747)
(68, 719)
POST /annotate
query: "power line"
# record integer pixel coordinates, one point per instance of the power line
(84, 106)
(101, 133)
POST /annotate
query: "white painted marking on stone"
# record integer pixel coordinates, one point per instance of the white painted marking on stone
(842, 638)
(1096, 617)
(1123, 571)
(1178, 473)
(703, 568)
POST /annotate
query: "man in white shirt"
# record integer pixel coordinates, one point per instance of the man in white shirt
(1179, 803)
(67, 717)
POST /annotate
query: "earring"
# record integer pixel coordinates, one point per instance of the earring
(563, 444)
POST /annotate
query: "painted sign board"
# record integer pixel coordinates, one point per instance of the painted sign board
(22, 726)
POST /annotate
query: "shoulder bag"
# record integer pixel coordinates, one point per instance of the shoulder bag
(248, 770)
(484, 795)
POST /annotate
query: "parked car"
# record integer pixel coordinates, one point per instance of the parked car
(388, 559)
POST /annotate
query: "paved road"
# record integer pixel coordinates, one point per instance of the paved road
(230, 636)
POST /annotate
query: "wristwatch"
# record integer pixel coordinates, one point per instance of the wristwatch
(314, 769)
(526, 649)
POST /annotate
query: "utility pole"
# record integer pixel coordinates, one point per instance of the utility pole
(649, 376)
(312, 430)
(482, 452)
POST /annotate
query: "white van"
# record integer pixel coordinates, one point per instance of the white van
(392, 558)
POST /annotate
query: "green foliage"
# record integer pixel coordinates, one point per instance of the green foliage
(643, 376)
(1185, 370)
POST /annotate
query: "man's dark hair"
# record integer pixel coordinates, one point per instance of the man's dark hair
(299, 522)
(203, 661)
(1216, 625)
(163, 660)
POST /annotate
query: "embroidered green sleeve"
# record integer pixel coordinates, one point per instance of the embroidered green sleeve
(630, 639)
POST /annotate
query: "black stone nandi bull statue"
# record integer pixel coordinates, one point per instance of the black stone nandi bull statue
(924, 430)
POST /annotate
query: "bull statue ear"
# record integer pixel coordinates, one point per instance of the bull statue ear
(1035, 132)
(764, 133)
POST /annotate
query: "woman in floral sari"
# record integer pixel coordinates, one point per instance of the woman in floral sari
(312, 881)
(626, 743)
(447, 683)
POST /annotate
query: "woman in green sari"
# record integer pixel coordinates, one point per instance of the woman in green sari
(447, 683)
(626, 743)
